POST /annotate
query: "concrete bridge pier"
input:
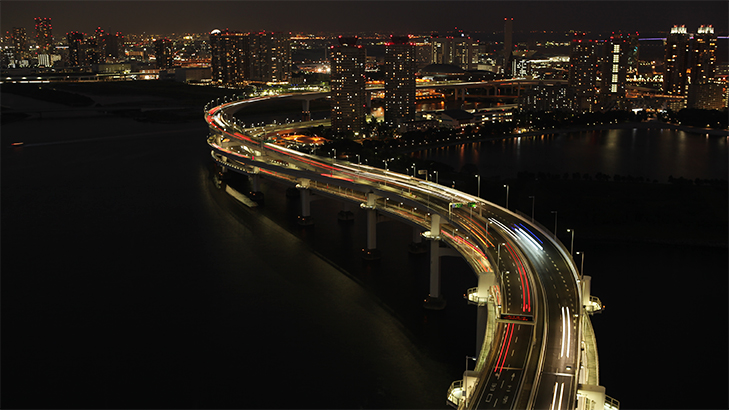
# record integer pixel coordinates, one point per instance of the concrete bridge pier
(435, 300)
(371, 252)
(255, 180)
(305, 217)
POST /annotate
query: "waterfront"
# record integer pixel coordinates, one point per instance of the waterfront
(650, 153)
(131, 281)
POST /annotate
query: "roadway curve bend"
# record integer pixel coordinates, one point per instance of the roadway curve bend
(531, 283)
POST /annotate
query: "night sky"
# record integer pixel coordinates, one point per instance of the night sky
(165, 17)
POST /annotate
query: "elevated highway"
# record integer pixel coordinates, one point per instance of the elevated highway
(530, 296)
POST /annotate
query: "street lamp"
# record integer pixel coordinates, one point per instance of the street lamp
(507, 198)
(358, 160)
(555, 224)
(478, 190)
(532, 197)
(582, 263)
(436, 176)
(572, 243)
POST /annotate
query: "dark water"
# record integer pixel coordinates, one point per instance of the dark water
(129, 280)
(649, 153)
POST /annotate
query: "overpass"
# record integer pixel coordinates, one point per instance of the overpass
(536, 345)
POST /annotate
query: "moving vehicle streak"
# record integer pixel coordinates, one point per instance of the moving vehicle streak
(533, 360)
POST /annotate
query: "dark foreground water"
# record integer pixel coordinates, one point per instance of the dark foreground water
(130, 281)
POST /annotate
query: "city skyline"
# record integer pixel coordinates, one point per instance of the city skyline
(347, 16)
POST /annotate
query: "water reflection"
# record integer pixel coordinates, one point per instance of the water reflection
(647, 153)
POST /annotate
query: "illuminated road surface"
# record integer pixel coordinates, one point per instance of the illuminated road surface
(533, 360)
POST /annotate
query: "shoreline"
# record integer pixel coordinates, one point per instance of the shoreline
(621, 126)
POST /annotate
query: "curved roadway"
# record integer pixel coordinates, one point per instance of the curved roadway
(534, 357)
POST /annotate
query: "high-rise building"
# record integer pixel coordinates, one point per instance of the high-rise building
(457, 48)
(110, 46)
(632, 54)
(676, 61)
(44, 35)
(614, 72)
(583, 72)
(20, 43)
(399, 80)
(703, 55)
(239, 58)
(163, 52)
(508, 46)
(269, 57)
(76, 49)
(228, 50)
(348, 86)
(703, 87)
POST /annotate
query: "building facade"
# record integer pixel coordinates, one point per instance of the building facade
(268, 57)
(228, 57)
(44, 35)
(399, 81)
(459, 50)
(20, 44)
(76, 49)
(348, 87)
(548, 97)
(614, 72)
(704, 89)
(241, 58)
(583, 72)
(676, 61)
(163, 53)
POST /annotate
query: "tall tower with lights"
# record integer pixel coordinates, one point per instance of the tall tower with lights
(705, 92)
(20, 43)
(44, 35)
(508, 46)
(614, 72)
(676, 61)
(76, 49)
(399, 80)
(269, 57)
(583, 72)
(163, 52)
(348, 86)
(228, 52)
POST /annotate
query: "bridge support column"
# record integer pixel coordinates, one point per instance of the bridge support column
(305, 217)
(255, 179)
(371, 252)
(435, 300)
(305, 112)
